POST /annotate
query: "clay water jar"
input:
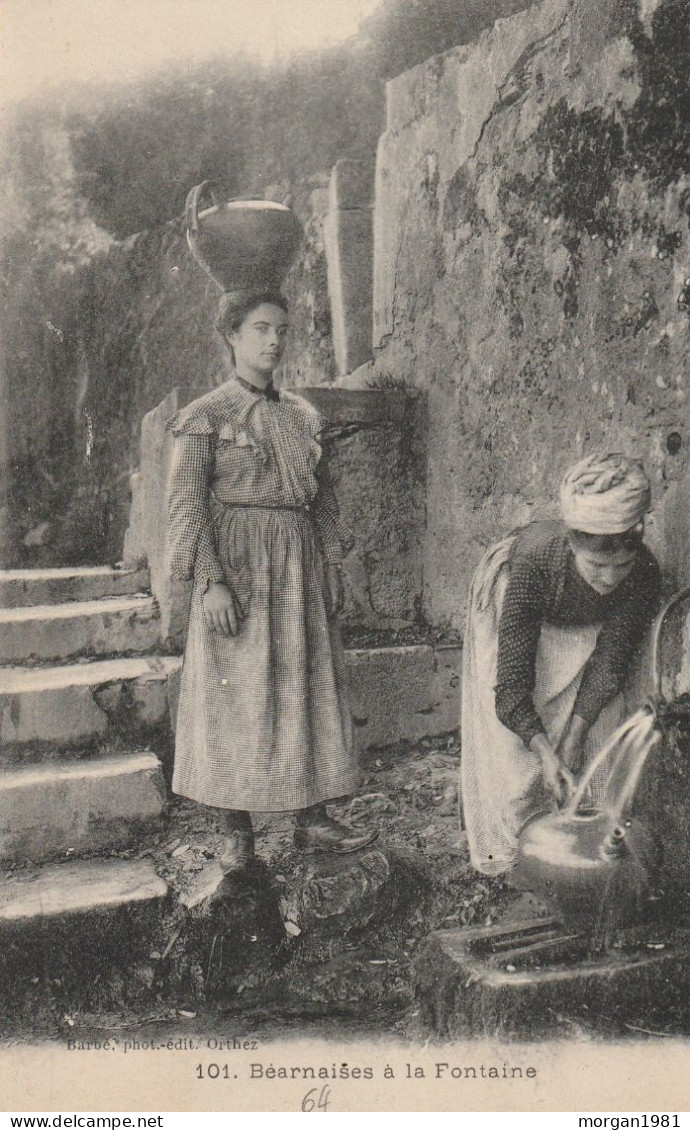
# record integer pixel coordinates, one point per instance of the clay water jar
(241, 244)
(595, 863)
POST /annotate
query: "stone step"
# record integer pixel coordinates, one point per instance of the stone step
(78, 808)
(396, 693)
(93, 627)
(22, 587)
(76, 924)
(77, 702)
(403, 693)
(79, 887)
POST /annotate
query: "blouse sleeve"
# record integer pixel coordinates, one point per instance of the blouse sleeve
(620, 636)
(518, 640)
(191, 540)
(336, 540)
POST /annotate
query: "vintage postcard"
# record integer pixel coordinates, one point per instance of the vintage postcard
(344, 605)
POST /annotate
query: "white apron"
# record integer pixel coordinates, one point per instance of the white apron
(501, 778)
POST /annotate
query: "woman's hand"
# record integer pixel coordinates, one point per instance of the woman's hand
(336, 589)
(557, 777)
(571, 748)
(223, 611)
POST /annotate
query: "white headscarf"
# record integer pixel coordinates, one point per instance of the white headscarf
(605, 494)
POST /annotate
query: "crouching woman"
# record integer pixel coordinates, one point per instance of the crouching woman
(556, 615)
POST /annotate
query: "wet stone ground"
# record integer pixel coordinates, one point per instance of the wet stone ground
(298, 943)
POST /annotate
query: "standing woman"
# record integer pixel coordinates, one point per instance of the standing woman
(556, 614)
(263, 721)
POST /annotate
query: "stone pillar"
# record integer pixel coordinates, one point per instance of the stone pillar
(348, 237)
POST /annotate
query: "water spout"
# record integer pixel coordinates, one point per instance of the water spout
(623, 757)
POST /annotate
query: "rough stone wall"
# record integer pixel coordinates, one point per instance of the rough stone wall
(377, 462)
(531, 267)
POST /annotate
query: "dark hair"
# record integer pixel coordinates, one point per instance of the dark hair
(236, 305)
(606, 543)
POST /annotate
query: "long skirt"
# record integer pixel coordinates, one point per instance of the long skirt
(502, 784)
(263, 720)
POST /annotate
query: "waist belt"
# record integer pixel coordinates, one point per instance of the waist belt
(260, 506)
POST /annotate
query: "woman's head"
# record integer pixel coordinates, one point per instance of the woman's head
(604, 560)
(254, 326)
(604, 499)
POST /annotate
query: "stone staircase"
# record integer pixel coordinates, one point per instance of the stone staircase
(80, 688)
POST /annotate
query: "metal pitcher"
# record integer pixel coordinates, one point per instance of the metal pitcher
(596, 861)
(241, 244)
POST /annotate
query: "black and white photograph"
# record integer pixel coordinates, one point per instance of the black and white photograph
(345, 556)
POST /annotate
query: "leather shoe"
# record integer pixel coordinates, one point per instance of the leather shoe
(328, 835)
(238, 850)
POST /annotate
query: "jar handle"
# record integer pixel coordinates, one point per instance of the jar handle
(657, 638)
(192, 203)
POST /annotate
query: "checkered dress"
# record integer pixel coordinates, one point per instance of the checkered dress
(263, 720)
